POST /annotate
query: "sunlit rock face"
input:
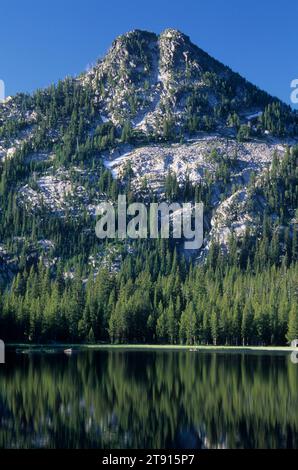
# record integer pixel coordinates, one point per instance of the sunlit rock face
(160, 105)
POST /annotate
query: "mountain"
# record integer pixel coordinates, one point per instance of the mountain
(155, 118)
(151, 79)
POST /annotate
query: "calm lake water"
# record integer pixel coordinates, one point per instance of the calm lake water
(148, 399)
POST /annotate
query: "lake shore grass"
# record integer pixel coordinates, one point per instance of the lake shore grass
(143, 347)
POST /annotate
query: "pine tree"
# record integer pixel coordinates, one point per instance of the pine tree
(293, 323)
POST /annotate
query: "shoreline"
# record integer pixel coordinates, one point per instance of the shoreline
(160, 347)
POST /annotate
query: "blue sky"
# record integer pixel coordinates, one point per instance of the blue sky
(42, 41)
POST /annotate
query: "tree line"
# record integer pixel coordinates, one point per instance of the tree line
(155, 298)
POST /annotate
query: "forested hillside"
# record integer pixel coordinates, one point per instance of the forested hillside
(156, 119)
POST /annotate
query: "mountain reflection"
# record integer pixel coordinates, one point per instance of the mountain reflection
(148, 399)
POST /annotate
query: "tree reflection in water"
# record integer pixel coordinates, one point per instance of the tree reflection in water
(148, 399)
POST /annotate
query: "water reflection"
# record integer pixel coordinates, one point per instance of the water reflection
(148, 399)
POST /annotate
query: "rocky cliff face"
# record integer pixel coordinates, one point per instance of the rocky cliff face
(162, 106)
(147, 78)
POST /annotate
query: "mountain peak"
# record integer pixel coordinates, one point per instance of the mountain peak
(146, 78)
(163, 117)
(171, 33)
(134, 35)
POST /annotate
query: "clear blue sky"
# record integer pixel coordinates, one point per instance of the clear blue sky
(42, 40)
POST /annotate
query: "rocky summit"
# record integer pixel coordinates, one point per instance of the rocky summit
(156, 117)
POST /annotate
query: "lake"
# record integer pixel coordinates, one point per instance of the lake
(115, 398)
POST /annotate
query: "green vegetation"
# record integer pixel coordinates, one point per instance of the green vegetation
(118, 399)
(155, 298)
(245, 296)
